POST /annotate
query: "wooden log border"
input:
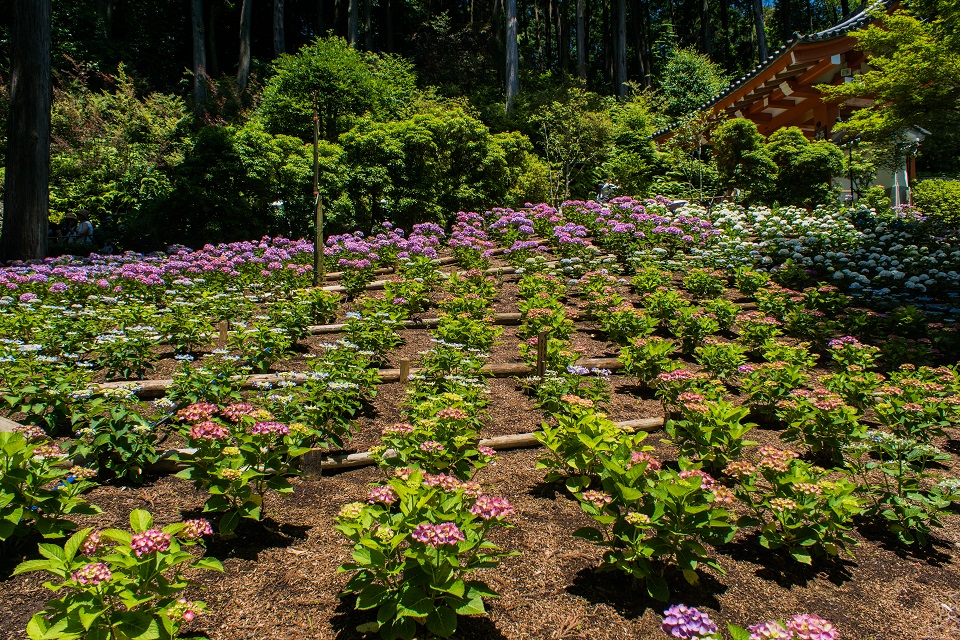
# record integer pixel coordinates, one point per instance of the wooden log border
(314, 463)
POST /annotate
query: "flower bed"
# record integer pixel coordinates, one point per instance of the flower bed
(811, 436)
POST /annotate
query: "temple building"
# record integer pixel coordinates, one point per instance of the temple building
(782, 92)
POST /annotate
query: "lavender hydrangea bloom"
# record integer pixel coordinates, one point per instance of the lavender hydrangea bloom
(687, 623)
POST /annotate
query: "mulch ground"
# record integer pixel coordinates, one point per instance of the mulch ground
(281, 580)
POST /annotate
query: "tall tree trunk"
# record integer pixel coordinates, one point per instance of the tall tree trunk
(353, 19)
(105, 9)
(513, 77)
(761, 32)
(845, 7)
(563, 31)
(536, 29)
(367, 25)
(607, 40)
(388, 25)
(725, 27)
(620, 49)
(638, 42)
(705, 44)
(213, 57)
(243, 67)
(786, 18)
(279, 42)
(582, 39)
(199, 59)
(27, 187)
(549, 34)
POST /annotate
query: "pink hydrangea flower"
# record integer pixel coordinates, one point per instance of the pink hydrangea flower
(807, 626)
(93, 574)
(198, 528)
(150, 541)
(436, 535)
(442, 480)
(208, 430)
(269, 428)
(432, 446)
(235, 411)
(768, 631)
(491, 507)
(386, 495)
(197, 412)
(91, 544)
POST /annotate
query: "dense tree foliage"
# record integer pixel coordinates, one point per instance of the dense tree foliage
(914, 80)
(190, 122)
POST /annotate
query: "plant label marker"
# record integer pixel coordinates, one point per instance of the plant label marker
(541, 354)
(404, 371)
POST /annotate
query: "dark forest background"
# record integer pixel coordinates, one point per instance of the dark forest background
(191, 120)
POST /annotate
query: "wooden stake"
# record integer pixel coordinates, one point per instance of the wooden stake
(404, 371)
(222, 338)
(542, 353)
(318, 236)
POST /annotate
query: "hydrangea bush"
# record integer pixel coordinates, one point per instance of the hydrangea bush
(120, 584)
(417, 543)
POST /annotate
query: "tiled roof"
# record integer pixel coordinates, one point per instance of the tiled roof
(853, 23)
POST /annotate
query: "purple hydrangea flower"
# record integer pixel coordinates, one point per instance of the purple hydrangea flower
(687, 623)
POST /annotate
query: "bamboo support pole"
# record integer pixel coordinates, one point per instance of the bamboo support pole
(150, 389)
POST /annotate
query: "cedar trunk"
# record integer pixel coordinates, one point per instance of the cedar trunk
(761, 32)
(27, 187)
(243, 68)
(513, 78)
(582, 39)
(279, 41)
(353, 18)
(620, 49)
(705, 43)
(199, 59)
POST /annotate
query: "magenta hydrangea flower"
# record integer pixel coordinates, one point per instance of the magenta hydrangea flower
(807, 626)
(486, 452)
(386, 495)
(687, 623)
(92, 574)
(436, 535)
(598, 498)
(399, 429)
(442, 480)
(208, 430)
(235, 411)
(491, 507)
(150, 541)
(197, 412)
(771, 630)
(636, 457)
(91, 544)
(432, 446)
(269, 428)
(706, 480)
(198, 528)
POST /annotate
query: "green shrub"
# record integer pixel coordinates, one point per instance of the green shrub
(806, 168)
(743, 159)
(938, 198)
(876, 198)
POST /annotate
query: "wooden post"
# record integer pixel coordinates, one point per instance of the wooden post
(542, 353)
(222, 338)
(404, 371)
(317, 244)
